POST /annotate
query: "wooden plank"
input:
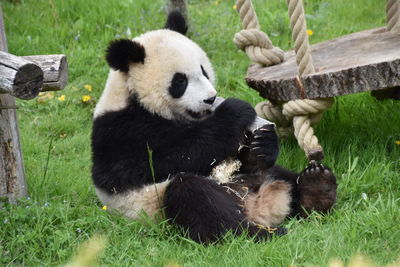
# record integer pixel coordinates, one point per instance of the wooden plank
(359, 62)
(55, 69)
(19, 77)
(12, 176)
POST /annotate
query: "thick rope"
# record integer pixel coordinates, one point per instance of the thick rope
(254, 42)
(274, 113)
(393, 15)
(304, 111)
(259, 48)
(300, 37)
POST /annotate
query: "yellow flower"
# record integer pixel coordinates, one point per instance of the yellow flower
(88, 87)
(234, 7)
(397, 142)
(310, 32)
(86, 98)
(104, 208)
(216, 3)
(61, 98)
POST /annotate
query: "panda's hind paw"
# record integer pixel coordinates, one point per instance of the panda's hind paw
(317, 188)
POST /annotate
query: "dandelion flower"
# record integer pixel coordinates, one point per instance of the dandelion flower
(397, 142)
(86, 98)
(61, 98)
(88, 87)
(104, 207)
(216, 3)
(310, 32)
(234, 7)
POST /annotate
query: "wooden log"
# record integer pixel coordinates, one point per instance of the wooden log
(55, 70)
(19, 77)
(359, 62)
(12, 176)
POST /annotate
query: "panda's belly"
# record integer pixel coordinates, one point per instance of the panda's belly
(148, 199)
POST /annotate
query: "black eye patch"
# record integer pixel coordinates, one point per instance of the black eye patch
(204, 72)
(178, 85)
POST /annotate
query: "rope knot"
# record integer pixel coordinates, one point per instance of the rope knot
(258, 47)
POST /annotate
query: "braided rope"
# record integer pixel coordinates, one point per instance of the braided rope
(254, 42)
(259, 49)
(300, 37)
(274, 113)
(304, 111)
(393, 15)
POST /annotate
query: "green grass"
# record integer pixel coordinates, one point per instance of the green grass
(358, 134)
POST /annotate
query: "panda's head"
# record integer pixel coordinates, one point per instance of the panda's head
(170, 75)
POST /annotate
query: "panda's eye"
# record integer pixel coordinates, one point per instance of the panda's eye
(204, 72)
(178, 85)
(181, 81)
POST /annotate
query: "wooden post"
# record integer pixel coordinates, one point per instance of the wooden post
(12, 176)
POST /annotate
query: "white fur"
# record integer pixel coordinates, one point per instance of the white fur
(148, 199)
(115, 94)
(166, 52)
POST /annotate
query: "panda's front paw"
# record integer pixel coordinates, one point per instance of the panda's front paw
(317, 188)
(264, 145)
(241, 112)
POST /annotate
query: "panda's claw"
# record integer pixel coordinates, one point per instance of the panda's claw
(255, 144)
(265, 130)
(255, 148)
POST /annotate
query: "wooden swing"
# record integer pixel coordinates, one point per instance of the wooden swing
(301, 84)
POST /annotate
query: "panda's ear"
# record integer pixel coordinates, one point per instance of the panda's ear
(122, 52)
(176, 22)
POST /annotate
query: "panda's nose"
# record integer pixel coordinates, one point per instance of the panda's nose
(209, 100)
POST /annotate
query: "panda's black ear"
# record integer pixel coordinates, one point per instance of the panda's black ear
(122, 52)
(176, 22)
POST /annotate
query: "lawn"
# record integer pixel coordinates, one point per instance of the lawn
(358, 134)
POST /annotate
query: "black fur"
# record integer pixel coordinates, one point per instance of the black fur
(120, 53)
(206, 210)
(120, 142)
(204, 72)
(176, 22)
(178, 85)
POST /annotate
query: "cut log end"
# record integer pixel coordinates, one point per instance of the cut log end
(55, 69)
(28, 82)
(19, 77)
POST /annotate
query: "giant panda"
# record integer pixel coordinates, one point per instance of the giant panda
(158, 133)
